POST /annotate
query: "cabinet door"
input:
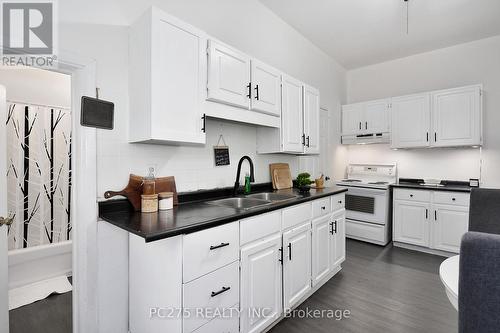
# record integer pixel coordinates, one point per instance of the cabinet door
(228, 75)
(457, 117)
(177, 81)
(261, 284)
(322, 249)
(410, 125)
(292, 122)
(338, 238)
(449, 225)
(411, 222)
(266, 86)
(352, 119)
(377, 116)
(296, 264)
(311, 119)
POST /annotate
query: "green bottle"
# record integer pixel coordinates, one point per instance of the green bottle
(247, 184)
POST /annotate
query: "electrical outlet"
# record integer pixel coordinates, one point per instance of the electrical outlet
(152, 168)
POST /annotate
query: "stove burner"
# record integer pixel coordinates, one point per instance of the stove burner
(351, 181)
(378, 183)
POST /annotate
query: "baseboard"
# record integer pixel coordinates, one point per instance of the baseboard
(424, 249)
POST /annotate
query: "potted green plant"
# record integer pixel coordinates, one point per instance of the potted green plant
(303, 182)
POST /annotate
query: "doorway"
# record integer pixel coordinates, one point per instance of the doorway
(39, 189)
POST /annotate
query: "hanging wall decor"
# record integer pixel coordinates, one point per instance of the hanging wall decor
(221, 153)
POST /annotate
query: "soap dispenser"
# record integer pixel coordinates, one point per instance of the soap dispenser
(247, 184)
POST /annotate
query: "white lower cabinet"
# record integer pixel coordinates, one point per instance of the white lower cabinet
(237, 277)
(261, 276)
(322, 251)
(338, 238)
(296, 264)
(450, 224)
(430, 219)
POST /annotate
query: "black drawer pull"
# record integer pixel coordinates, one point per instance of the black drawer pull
(340, 202)
(213, 247)
(290, 251)
(323, 207)
(223, 290)
(411, 195)
(454, 199)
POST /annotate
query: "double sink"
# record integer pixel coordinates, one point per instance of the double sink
(253, 200)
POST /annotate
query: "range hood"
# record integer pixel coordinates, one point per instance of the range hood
(364, 139)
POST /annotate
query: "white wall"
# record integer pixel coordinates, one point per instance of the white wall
(471, 63)
(35, 86)
(248, 26)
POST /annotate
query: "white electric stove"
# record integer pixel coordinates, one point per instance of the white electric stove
(368, 216)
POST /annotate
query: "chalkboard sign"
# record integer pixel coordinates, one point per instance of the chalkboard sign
(221, 154)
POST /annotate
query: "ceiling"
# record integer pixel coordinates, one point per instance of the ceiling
(358, 33)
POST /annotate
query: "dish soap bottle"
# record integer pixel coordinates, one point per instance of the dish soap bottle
(247, 183)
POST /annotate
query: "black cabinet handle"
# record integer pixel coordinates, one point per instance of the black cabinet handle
(366, 125)
(331, 228)
(203, 128)
(435, 215)
(411, 195)
(213, 247)
(427, 136)
(223, 290)
(303, 139)
(256, 92)
(340, 202)
(454, 199)
(335, 223)
(359, 125)
(290, 251)
(323, 207)
(426, 213)
(249, 87)
(281, 255)
(308, 141)
(435, 137)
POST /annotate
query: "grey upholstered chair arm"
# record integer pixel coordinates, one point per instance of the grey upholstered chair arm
(479, 283)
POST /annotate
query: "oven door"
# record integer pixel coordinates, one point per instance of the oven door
(367, 205)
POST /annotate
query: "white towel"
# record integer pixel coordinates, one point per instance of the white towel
(37, 291)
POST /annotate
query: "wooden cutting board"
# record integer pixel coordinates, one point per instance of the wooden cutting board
(132, 192)
(166, 184)
(281, 175)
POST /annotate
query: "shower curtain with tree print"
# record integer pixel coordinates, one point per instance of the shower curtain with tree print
(38, 174)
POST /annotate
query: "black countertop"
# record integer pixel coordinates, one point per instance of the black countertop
(446, 185)
(190, 216)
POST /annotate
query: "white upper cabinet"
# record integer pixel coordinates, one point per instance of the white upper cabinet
(411, 121)
(311, 120)
(292, 122)
(457, 117)
(228, 75)
(266, 88)
(377, 116)
(352, 118)
(166, 80)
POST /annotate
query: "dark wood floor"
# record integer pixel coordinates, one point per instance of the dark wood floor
(51, 315)
(386, 290)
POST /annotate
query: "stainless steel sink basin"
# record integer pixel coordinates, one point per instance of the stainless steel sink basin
(270, 196)
(240, 202)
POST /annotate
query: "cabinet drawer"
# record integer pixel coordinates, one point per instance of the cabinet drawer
(295, 215)
(321, 207)
(412, 195)
(452, 198)
(259, 226)
(338, 202)
(207, 250)
(222, 325)
(217, 290)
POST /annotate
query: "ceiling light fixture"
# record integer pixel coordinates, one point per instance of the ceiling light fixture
(406, 16)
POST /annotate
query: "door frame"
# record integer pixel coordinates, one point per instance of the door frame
(84, 199)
